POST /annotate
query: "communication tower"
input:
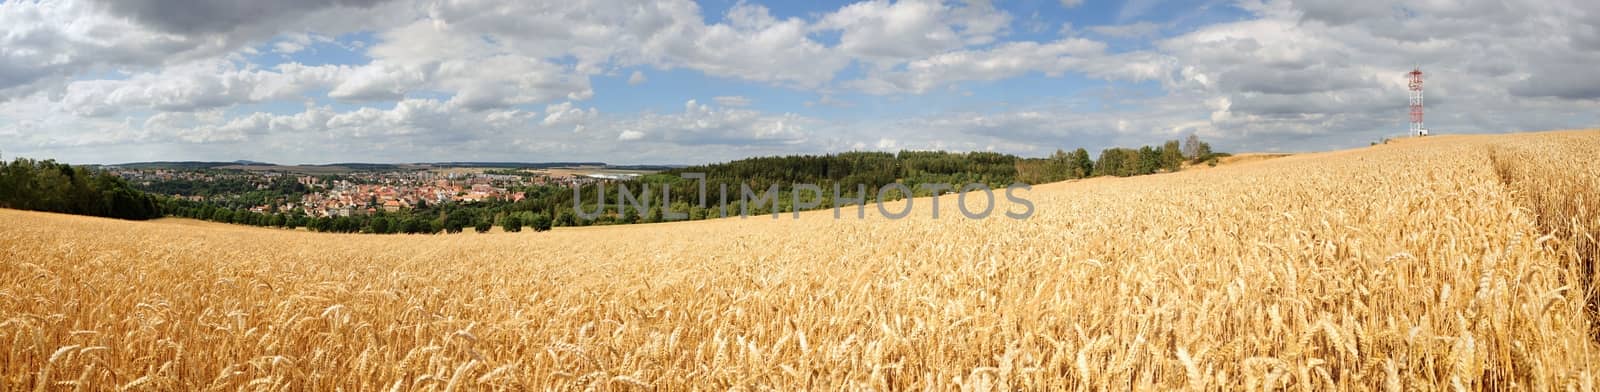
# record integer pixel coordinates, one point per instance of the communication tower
(1417, 129)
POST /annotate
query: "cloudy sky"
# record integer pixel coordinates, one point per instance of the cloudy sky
(672, 81)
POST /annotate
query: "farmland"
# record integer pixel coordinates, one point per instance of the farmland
(1449, 262)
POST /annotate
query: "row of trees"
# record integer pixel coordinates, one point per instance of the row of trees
(26, 184)
(449, 218)
(1121, 162)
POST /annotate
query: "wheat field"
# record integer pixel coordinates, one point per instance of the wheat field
(1452, 262)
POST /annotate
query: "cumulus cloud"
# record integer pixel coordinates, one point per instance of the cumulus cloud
(511, 80)
(44, 43)
(223, 16)
(701, 124)
(887, 33)
(1570, 80)
(568, 114)
(750, 44)
(1004, 61)
(49, 41)
(753, 46)
(195, 86)
(1319, 68)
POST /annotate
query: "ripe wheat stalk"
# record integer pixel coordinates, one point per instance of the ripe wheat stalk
(1444, 263)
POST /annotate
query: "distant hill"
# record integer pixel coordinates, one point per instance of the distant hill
(176, 165)
(515, 165)
(646, 167)
(358, 166)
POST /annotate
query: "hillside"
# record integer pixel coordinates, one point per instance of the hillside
(1439, 262)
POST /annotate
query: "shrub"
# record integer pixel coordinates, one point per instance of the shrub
(511, 223)
(541, 222)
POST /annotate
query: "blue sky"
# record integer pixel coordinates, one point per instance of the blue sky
(312, 81)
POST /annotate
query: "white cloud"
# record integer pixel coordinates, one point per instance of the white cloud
(1308, 70)
(294, 43)
(378, 81)
(752, 46)
(194, 86)
(701, 124)
(44, 44)
(1004, 61)
(512, 79)
(238, 16)
(630, 135)
(749, 45)
(567, 114)
(440, 57)
(887, 33)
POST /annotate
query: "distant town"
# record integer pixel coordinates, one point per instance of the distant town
(268, 189)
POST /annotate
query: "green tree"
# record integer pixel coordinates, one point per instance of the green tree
(541, 222)
(511, 223)
(629, 215)
(344, 224)
(482, 226)
(379, 225)
(566, 218)
(222, 215)
(1110, 163)
(1082, 165)
(1149, 160)
(1171, 156)
(419, 225)
(457, 220)
(319, 223)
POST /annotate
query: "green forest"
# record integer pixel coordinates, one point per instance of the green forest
(858, 176)
(26, 184)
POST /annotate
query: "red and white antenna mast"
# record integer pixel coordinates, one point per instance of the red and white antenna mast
(1416, 103)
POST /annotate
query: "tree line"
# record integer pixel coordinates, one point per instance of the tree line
(1118, 161)
(424, 219)
(27, 184)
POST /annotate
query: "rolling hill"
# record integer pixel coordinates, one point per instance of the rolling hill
(1453, 261)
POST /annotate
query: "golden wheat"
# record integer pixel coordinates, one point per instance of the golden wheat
(1447, 262)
